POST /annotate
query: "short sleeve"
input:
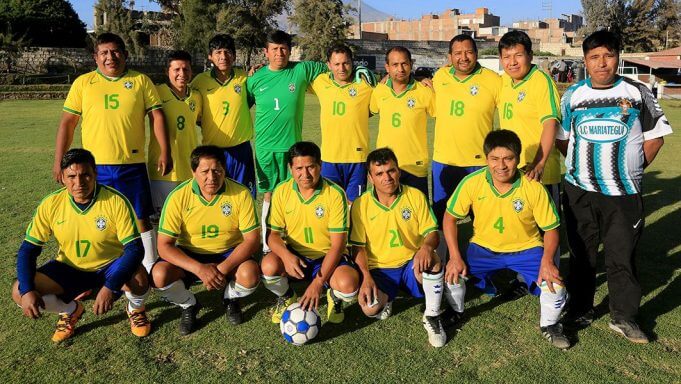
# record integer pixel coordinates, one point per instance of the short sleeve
(544, 210)
(74, 100)
(430, 109)
(566, 112)
(248, 220)
(654, 123)
(276, 220)
(459, 204)
(126, 221)
(548, 102)
(313, 69)
(39, 230)
(426, 217)
(338, 221)
(198, 104)
(170, 222)
(151, 99)
(358, 235)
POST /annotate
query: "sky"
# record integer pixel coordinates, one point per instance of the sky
(508, 10)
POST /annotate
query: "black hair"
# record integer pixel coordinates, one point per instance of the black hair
(502, 138)
(221, 41)
(77, 156)
(602, 38)
(339, 48)
(108, 37)
(178, 55)
(304, 148)
(460, 39)
(279, 37)
(207, 152)
(512, 38)
(398, 48)
(381, 156)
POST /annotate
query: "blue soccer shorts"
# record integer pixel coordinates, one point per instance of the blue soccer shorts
(352, 177)
(483, 263)
(132, 181)
(240, 165)
(445, 180)
(391, 280)
(75, 281)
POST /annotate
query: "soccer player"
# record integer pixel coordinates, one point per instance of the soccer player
(226, 119)
(182, 109)
(112, 102)
(278, 91)
(344, 121)
(510, 210)
(99, 249)
(404, 104)
(308, 224)
(613, 128)
(394, 237)
(208, 231)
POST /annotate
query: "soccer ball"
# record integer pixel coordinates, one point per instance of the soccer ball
(299, 326)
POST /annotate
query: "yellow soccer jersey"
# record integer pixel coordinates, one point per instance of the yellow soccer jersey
(344, 118)
(508, 222)
(391, 235)
(523, 108)
(208, 227)
(112, 113)
(402, 125)
(308, 223)
(225, 118)
(88, 239)
(181, 116)
(464, 115)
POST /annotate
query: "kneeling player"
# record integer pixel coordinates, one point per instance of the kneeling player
(394, 237)
(208, 231)
(312, 212)
(510, 210)
(99, 248)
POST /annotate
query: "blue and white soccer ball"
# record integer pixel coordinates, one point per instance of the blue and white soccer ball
(299, 326)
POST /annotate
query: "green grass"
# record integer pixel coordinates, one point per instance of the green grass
(499, 343)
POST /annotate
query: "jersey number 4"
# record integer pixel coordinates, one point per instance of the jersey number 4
(499, 224)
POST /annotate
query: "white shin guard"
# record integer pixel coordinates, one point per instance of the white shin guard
(455, 294)
(150, 254)
(551, 304)
(136, 301)
(235, 290)
(276, 284)
(177, 294)
(432, 288)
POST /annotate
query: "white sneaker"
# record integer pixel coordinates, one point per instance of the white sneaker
(385, 313)
(437, 337)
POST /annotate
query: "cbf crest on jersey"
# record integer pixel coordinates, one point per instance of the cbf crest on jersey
(226, 209)
(521, 96)
(319, 211)
(100, 223)
(406, 213)
(474, 89)
(352, 92)
(192, 105)
(411, 103)
(237, 89)
(128, 84)
(518, 205)
(292, 87)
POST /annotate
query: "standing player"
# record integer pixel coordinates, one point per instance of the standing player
(208, 232)
(510, 210)
(99, 249)
(308, 226)
(404, 104)
(394, 237)
(278, 91)
(529, 106)
(182, 109)
(613, 129)
(113, 101)
(344, 118)
(226, 119)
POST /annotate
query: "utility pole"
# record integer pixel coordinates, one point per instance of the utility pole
(359, 18)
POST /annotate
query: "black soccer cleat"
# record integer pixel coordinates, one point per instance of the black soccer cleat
(233, 311)
(188, 319)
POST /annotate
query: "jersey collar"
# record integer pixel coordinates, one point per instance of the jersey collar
(214, 76)
(412, 84)
(197, 191)
(618, 80)
(186, 96)
(89, 205)
(516, 183)
(112, 79)
(476, 70)
(316, 192)
(338, 84)
(400, 192)
(533, 69)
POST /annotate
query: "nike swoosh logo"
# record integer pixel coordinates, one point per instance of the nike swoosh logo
(209, 89)
(481, 198)
(165, 101)
(637, 223)
(445, 83)
(287, 212)
(62, 222)
(263, 89)
(372, 218)
(189, 209)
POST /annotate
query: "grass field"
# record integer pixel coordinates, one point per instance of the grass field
(498, 343)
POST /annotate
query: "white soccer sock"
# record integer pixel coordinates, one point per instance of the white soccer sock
(455, 294)
(276, 284)
(149, 243)
(136, 301)
(551, 304)
(263, 223)
(235, 290)
(432, 287)
(346, 297)
(56, 305)
(177, 294)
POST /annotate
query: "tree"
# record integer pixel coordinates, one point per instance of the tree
(117, 18)
(42, 23)
(322, 23)
(668, 22)
(195, 24)
(636, 32)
